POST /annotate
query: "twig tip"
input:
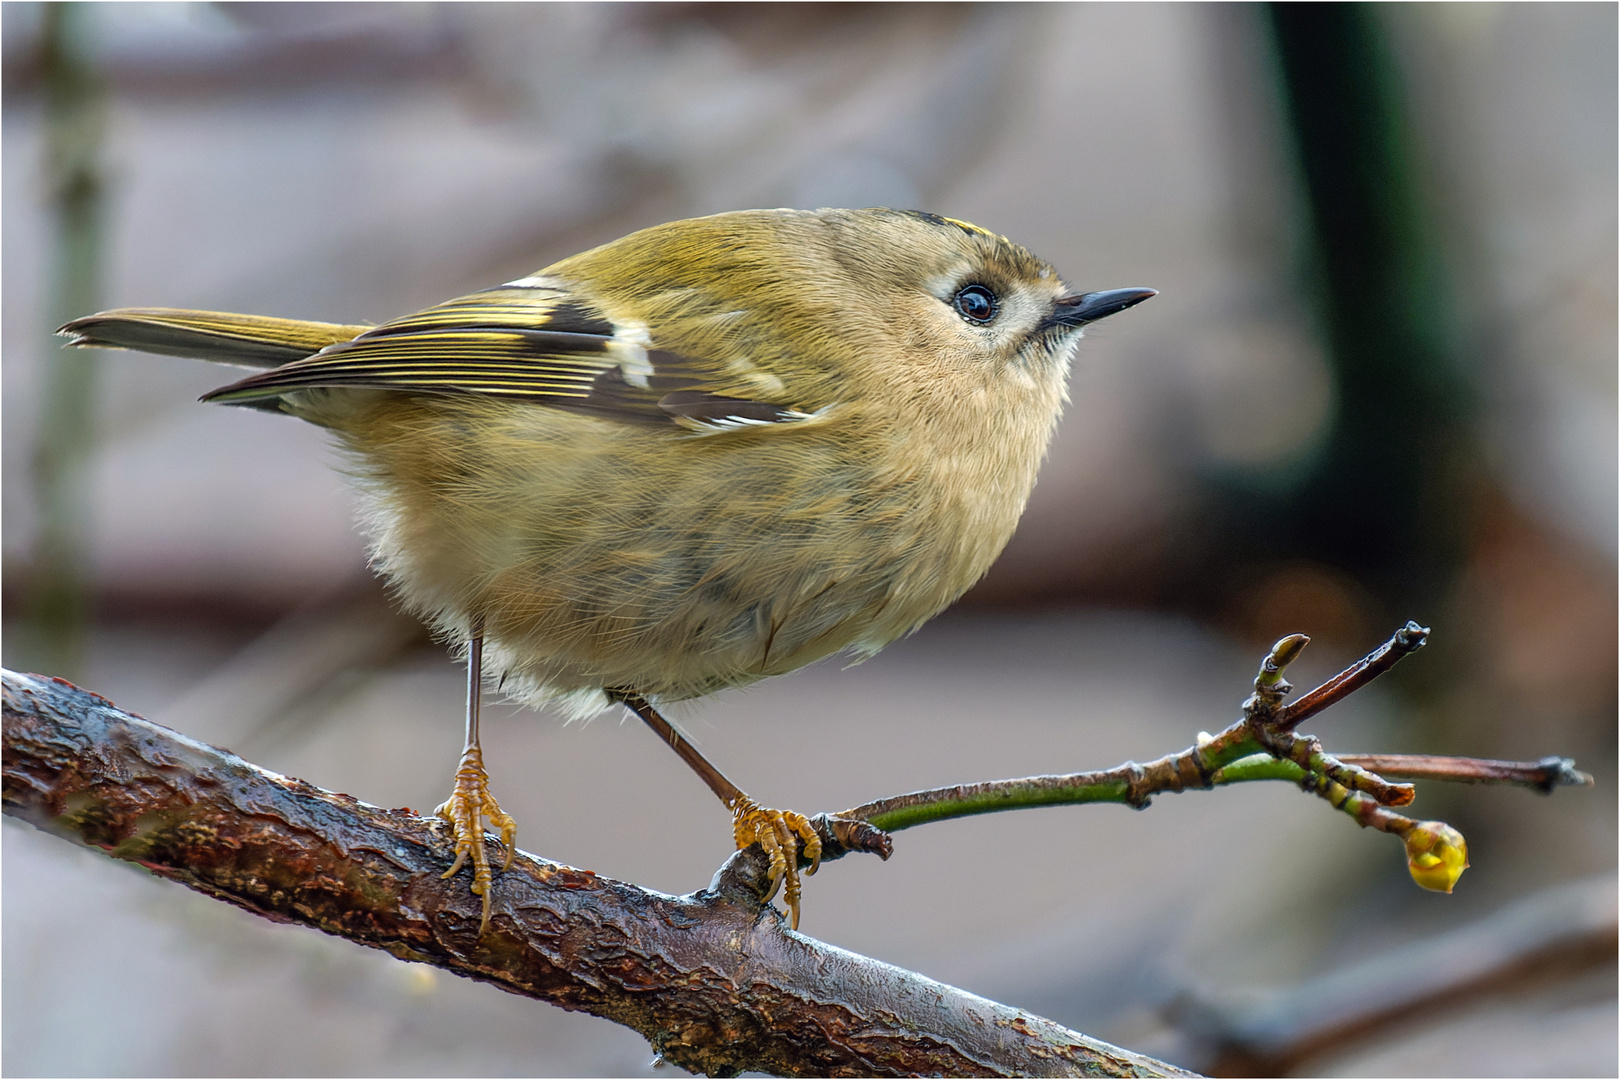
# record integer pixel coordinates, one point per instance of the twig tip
(1411, 637)
(1561, 772)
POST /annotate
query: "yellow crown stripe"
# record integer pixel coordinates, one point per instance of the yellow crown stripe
(970, 227)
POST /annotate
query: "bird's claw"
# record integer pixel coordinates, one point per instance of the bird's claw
(469, 804)
(785, 837)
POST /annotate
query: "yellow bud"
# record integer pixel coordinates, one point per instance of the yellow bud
(1436, 855)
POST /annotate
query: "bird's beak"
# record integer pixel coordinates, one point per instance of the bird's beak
(1089, 307)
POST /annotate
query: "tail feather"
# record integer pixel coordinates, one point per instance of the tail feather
(244, 340)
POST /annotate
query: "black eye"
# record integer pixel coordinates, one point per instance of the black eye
(975, 303)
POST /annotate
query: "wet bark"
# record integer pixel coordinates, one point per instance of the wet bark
(715, 980)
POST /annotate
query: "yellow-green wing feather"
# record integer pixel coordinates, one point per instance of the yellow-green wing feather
(538, 343)
(534, 341)
(507, 363)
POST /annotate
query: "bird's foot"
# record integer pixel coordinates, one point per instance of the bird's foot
(785, 836)
(469, 804)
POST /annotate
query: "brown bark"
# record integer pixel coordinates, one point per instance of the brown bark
(714, 980)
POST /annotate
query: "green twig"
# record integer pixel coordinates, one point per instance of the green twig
(1261, 746)
(1262, 731)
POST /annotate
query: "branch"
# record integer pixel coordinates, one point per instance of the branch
(1261, 746)
(1544, 775)
(714, 980)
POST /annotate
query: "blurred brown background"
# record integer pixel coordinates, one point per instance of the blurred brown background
(1379, 384)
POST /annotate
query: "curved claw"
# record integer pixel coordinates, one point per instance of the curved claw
(784, 836)
(469, 804)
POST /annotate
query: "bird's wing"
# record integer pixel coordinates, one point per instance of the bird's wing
(532, 343)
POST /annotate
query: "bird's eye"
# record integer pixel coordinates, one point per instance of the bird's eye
(975, 303)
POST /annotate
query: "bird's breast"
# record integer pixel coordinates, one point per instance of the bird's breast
(604, 555)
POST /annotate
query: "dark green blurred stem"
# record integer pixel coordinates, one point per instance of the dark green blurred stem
(74, 113)
(1388, 497)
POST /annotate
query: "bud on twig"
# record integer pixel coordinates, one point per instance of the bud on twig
(1436, 855)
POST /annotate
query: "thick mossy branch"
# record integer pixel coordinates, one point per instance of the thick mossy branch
(714, 980)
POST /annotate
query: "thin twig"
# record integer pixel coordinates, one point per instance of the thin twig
(1267, 729)
(1544, 775)
(1405, 641)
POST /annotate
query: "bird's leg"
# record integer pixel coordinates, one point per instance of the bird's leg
(782, 833)
(470, 802)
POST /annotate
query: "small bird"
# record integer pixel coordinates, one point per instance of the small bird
(709, 452)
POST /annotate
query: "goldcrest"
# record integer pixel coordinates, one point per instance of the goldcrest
(709, 452)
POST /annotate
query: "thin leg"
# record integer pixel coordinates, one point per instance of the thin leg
(475, 684)
(781, 833)
(470, 801)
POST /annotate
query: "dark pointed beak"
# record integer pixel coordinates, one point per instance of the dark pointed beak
(1089, 307)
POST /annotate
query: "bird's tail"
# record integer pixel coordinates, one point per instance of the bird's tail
(245, 340)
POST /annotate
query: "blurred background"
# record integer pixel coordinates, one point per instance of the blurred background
(1379, 384)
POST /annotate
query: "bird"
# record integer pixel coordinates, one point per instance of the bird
(709, 452)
